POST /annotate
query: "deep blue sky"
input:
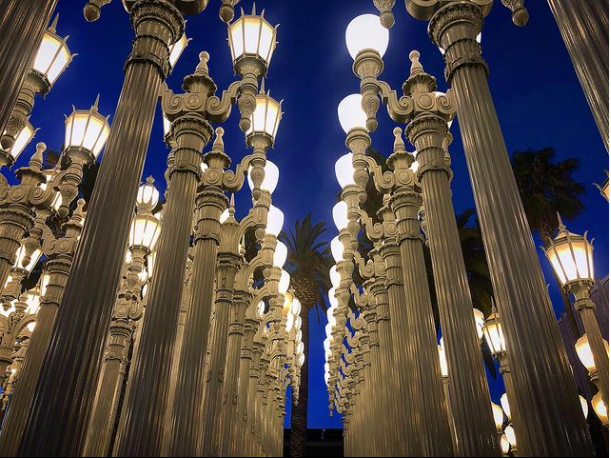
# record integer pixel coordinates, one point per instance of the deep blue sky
(537, 94)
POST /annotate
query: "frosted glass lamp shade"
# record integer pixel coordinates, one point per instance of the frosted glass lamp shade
(337, 249)
(148, 195)
(366, 32)
(479, 322)
(584, 406)
(499, 418)
(252, 35)
(493, 332)
(280, 255)
(285, 282)
(144, 232)
(177, 49)
(340, 215)
(344, 171)
(351, 113)
(443, 361)
(275, 221)
(511, 437)
(22, 140)
(266, 117)
(331, 318)
(505, 405)
(584, 352)
(336, 278)
(52, 58)
(272, 177)
(572, 257)
(600, 409)
(21, 254)
(87, 130)
(333, 302)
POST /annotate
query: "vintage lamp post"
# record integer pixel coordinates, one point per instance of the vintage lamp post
(571, 256)
(23, 23)
(60, 254)
(522, 297)
(129, 309)
(52, 59)
(427, 114)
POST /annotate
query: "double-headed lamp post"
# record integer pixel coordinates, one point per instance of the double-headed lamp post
(571, 256)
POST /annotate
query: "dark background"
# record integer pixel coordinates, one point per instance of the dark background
(537, 94)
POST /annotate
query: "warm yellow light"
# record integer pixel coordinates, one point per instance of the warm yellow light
(22, 140)
(266, 117)
(511, 437)
(288, 303)
(145, 231)
(584, 351)
(44, 284)
(87, 130)
(599, 408)
(499, 418)
(252, 35)
(33, 301)
(52, 58)
(571, 256)
(493, 331)
(505, 445)
(479, 322)
(505, 405)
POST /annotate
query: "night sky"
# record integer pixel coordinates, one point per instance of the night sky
(538, 98)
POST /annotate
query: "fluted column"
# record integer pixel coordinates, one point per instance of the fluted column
(585, 30)
(146, 406)
(22, 23)
(469, 395)
(228, 414)
(112, 379)
(60, 254)
(228, 266)
(73, 361)
(537, 357)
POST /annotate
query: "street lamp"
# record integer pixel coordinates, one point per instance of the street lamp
(571, 256)
(87, 132)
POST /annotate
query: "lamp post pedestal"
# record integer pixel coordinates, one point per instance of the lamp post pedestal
(75, 354)
(538, 360)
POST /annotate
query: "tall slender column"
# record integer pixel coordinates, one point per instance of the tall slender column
(413, 324)
(239, 428)
(60, 254)
(57, 423)
(539, 363)
(228, 266)
(231, 395)
(145, 420)
(470, 398)
(585, 30)
(23, 23)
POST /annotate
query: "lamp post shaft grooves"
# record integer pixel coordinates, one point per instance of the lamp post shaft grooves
(57, 424)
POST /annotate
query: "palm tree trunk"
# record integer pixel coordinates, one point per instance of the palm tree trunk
(299, 417)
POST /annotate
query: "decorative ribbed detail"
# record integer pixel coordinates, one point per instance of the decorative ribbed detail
(539, 363)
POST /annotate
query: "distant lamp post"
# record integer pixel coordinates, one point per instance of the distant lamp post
(571, 256)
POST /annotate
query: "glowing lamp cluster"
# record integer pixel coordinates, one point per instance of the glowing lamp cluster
(252, 36)
(366, 33)
(571, 256)
(52, 58)
(87, 130)
(265, 120)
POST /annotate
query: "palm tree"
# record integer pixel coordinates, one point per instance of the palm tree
(548, 188)
(308, 262)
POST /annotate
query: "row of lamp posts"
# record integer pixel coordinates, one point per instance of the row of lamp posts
(180, 343)
(449, 411)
